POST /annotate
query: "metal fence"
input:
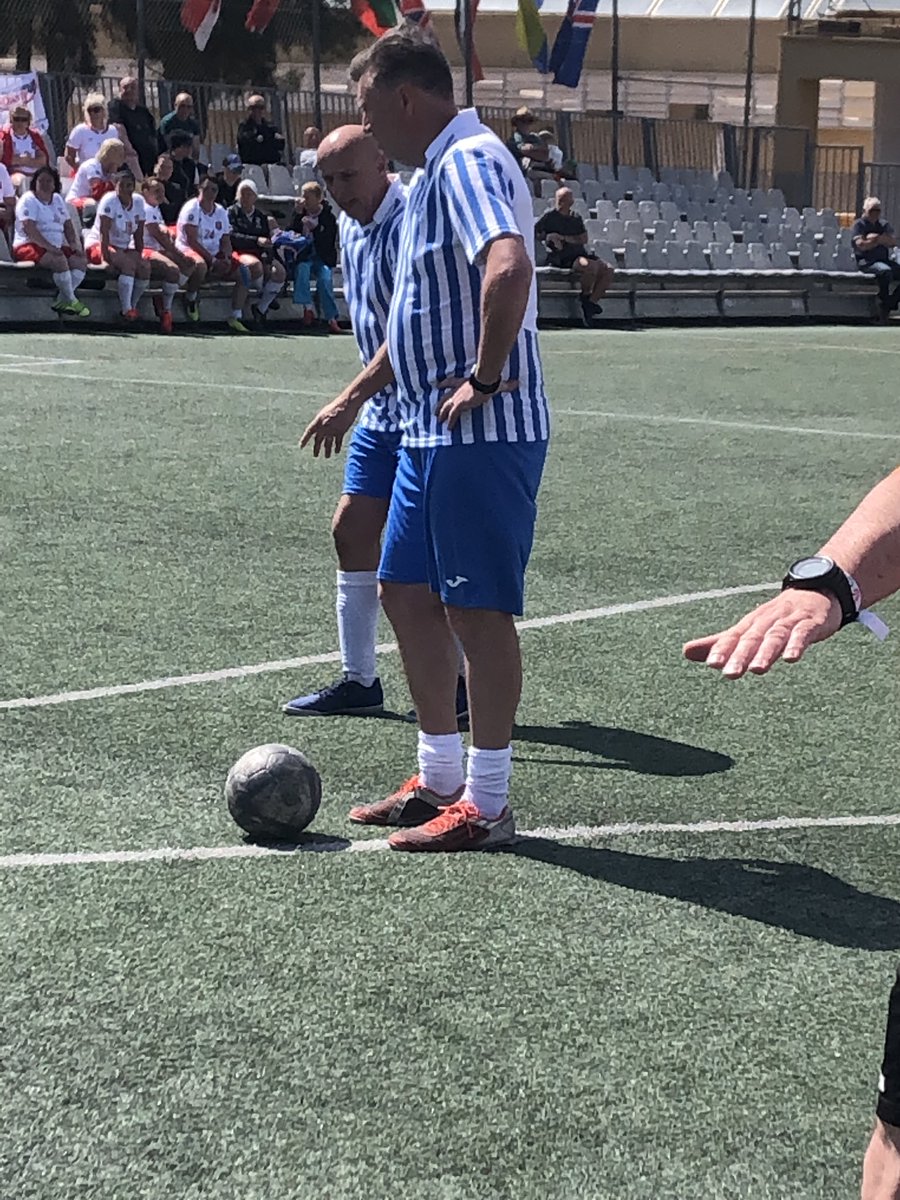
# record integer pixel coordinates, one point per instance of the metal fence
(838, 178)
(883, 180)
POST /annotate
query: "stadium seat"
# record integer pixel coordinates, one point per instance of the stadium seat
(739, 255)
(592, 191)
(694, 257)
(258, 175)
(548, 188)
(586, 172)
(826, 260)
(751, 232)
(628, 210)
(218, 153)
(806, 257)
(661, 231)
(844, 259)
(722, 232)
(615, 232)
(628, 175)
(776, 198)
(280, 181)
(301, 175)
(633, 260)
(675, 260)
(725, 180)
(574, 187)
(718, 257)
(759, 257)
(614, 189)
(605, 252)
(655, 257)
(606, 210)
(604, 173)
(781, 260)
(594, 228)
(812, 220)
(682, 232)
(703, 233)
(669, 212)
(660, 191)
(829, 219)
(634, 231)
(788, 237)
(582, 209)
(648, 212)
(845, 237)
(791, 217)
(538, 207)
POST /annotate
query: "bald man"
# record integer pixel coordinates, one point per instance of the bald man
(564, 234)
(371, 205)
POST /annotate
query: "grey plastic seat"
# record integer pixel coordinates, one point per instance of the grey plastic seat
(694, 257)
(614, 232)
(718, 257)
(806, 257)
(605, 252)
(655, 257)
(633, 260)
(740, 257)
(675, 256)
(781, 260)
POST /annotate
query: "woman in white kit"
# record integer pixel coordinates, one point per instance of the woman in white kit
(86, 138)
(45, 235)
(204, 235)
(116, 241)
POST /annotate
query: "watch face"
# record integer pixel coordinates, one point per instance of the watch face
(811, 568)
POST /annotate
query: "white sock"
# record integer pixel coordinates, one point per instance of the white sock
(182, 280)
(125, 285)
(487, 780)
(267, 295)
(237, 313)
(63, 281)
(357, 618)
(191, 296)
(168, 291)
(441, 762)
(140, 286)
(77, 278)
(461, 657)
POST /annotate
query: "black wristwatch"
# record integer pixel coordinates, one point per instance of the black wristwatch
(821, 574)
(485, 389)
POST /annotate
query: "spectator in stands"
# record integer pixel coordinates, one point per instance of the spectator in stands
(24, 151)
(136, 127)
(873, 241)
(7, 200)
(204, 235)
(86, 139)
(311, 139)
(116, 241)
(97, 176)
(186, 172)
(173, 200)
(259, 142)
(563, 232)
(229, 178)
(527, 148)
(166, 260)
(313, 216)
(181, 118)
(45, 234)
(251, 237)
(555, 152)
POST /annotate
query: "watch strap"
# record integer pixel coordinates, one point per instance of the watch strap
(484, 389)
(839, 583)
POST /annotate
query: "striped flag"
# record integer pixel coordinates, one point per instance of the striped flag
(567, 56)
(467, 10)
(415, 13)
(199, 18)
(532, 38)
(378, 16)
(260, 15)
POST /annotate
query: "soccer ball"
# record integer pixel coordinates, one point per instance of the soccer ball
(273, 792)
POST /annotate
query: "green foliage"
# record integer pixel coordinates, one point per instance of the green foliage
(65, 32)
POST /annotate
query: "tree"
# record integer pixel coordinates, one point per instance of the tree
(64, 30)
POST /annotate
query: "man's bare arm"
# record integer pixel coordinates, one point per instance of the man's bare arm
(327, 429)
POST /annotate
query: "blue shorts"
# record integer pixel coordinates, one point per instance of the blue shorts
(462, 520)
(371, 463)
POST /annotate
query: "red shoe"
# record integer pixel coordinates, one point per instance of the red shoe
(165, 322)
(411, 804)
(459, 826)
(131, 315)
(308, 316)
(333, 326)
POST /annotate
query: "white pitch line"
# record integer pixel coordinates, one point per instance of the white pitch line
(751, 342)
(308, 660)
(665, 419)
(162, 385)
(83, 858)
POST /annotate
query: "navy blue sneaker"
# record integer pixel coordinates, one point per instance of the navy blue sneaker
(345, 698)
(462, 705)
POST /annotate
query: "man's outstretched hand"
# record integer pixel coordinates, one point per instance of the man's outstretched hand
(783, 627)
(328, 427)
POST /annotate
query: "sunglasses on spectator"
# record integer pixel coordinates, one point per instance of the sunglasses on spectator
(21, 118)
(95, 108)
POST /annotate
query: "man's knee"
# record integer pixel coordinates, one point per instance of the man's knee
(357, 524)
(474, 625)
(405, 602)
(881, 1168)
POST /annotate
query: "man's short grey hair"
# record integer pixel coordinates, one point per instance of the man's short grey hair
(405, 55)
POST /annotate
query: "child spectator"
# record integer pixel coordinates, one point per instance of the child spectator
(314, 217)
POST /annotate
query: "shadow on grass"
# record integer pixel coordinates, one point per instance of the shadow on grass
(786, 895)
(622, 750)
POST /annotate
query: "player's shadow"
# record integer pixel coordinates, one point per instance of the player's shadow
(621, 749)
(786, 895)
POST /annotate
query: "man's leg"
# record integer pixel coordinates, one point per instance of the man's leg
(881, 1168)
(328, 309)
(882, 274)
(894, 300)
(603, 277)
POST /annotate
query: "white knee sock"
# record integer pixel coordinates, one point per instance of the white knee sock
(63, 281)
(461, 657)
(267, 295)
(77, 278)
(441, 762)
(168, 291)
(357, 617)
(182, 280)
(487, 780)
(140, 286)
(125, 285)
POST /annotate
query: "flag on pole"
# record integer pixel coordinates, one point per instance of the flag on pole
(532, 38)
(378, 16)
(567, 55)
(260, 15)
(199, 18)
(468, 10)
(415, 13)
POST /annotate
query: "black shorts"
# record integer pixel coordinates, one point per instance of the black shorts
(566, 258)
(888, 1107)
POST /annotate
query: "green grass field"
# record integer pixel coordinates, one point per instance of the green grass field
(685, 1014)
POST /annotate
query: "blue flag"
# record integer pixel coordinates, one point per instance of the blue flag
(567, 55)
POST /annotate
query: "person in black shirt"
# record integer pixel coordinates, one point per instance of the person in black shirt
(136, 127)
(186, 173)
(873, 241)
(229, 178)
(314, 217)
(251, 234)
(258, 141)
(174, 196)
(182, 117)
(563, 233)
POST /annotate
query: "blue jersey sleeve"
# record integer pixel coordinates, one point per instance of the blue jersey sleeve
(479, 197)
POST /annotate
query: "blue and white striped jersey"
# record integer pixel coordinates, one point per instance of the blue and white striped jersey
(470, 191)
(368, 263)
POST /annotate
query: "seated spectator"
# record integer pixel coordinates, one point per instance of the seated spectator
(22, 149)
(204, 235)
(251, 236)
(311, 139)
(116, 241)
(173, 203)
(185, 171)
(562, 231)
(45, 234)
(181, 118)
(258, 141)
(229, 178)
(136, 128)
(873, 241)
(313, 217)
(561, 168)
(7, 200)
(166, 261)
(527, 148)
(97, 176)
(86, 139)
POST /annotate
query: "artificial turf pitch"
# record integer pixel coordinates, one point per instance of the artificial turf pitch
(688, 1015)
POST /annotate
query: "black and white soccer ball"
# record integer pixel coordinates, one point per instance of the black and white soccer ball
(273, 792)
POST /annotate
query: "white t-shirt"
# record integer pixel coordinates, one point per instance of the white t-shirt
(88, 174)
(124, 221)
(309, 158)
(50, 219)
(211, 227)
(24, 144)
(152, 216)
(86, 141)
(6, 184)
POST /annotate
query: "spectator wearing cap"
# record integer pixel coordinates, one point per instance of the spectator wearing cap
(86, 138)
(312, 137)
(7, 200)
(526, 146)
(136, 127)
(563, 232)
(259, 142)
(97, 176)
(251, 238)
(229, 178)
(314, 218)
(22, 149)
(873, 241)
(181, 118)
